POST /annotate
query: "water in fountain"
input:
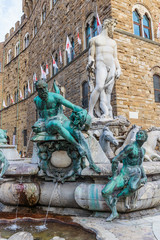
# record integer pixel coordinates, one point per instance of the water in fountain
(44, 227)
(14, 226)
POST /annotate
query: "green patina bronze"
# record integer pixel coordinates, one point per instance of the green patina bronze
(3, 161)
(131, 176)
(3, 136)
(54, 132)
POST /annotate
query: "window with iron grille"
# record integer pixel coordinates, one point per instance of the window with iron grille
(156, 83)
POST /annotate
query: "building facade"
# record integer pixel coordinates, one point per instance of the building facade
(41, 36)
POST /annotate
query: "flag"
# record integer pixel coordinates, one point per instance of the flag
(20, 95)
(68, 46)
(12, 101)
(34, 78)
(47, 70)
(79, 40)
(43, 74)
(29, 89)
(60, 56)
(54, 63)
(4, 104)
(158, 30)
(99, 25)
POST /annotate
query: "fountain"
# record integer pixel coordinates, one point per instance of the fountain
(71, 161)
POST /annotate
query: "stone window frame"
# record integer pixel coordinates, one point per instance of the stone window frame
(8, 100)
(44, 12)
(16, 96)
(17, 49)
(52, 3)
(142, 10)
(9, 56)
(26, 40)
(35, 28)
(155, 71)
(89, 22)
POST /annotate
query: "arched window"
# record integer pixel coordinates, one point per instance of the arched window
(136, 23)
(44, 12)
(88, 34)
(156, 83)
(8, 100)
(55, 70)
(94, 27)
(9, 56)
(26, 40)
(16, 96)
(35, 28)
(72, 50)
(24, 92)
(146, 27)
(17, 49)
(27, 90)
(85, 94)
(142, 21)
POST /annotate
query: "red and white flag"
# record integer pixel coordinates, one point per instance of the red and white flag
(54, 63)
(34, 78)
(20, 95)
(47, 70)
(12, 101)
(68, 46)
(60, 57)
(158, 30)
(99, 25)
(79, 40)
(4, 104)
(43, 73)
(29, 89)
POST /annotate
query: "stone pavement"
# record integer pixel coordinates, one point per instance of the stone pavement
(145, 228)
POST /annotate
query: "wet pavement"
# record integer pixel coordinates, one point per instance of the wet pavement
(145, 228)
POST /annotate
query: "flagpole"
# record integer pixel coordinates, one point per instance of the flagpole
(2, 83)
(18, 89)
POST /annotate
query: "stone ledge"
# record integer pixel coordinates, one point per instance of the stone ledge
(22, 169)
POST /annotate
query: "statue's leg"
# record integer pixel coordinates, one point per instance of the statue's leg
(132, 186)
(111, 201)
(56, 125)
(81, 139)
(109, 89)
(103, 103)
(101, 74)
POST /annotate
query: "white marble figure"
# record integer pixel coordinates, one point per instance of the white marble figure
(150, 145)
(105, 139)
(130, 138)
(104, 63)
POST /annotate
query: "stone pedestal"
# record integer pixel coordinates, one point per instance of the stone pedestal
(10, 152)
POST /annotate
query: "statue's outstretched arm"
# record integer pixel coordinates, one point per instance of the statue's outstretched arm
(67, 103)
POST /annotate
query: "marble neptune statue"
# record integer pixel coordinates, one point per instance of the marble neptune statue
(104, 63)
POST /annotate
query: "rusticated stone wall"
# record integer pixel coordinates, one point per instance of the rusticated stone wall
(1, 71)
(138, 58)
